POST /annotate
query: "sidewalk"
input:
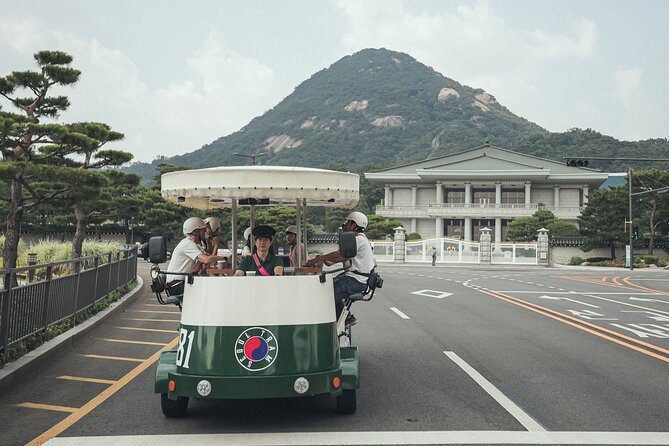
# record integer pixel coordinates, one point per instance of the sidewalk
(14, 371)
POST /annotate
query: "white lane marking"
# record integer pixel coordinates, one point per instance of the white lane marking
(624, 303)
(399, 313)
(374, 438)
(566, 298)
(575, 292)
(432, 293)
(511, 407)
(649, 300)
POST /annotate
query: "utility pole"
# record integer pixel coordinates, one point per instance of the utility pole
(629, 196)
(583, 161)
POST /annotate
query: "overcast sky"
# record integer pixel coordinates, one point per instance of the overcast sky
(174, 75)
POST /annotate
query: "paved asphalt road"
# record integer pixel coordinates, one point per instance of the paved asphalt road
(448, 355)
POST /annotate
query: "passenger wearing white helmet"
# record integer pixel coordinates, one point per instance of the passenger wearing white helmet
(213, 234)
(291, 239)
(246, 250)
(188, 256)
(354, 280)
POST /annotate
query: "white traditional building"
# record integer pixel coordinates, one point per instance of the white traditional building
(457, 195)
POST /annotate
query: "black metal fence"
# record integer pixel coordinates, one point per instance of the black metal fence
(34, 297)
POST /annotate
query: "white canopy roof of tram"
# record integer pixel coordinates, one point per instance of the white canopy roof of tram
(217, 187)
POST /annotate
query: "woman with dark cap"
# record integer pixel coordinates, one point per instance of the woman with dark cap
(263, 261)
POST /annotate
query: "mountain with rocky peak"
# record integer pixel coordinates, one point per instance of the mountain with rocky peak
(378, 108)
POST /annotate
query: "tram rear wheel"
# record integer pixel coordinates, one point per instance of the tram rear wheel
(173, 409)
(346, 402)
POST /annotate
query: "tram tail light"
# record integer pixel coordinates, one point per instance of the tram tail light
(336, 382)
(172, 386)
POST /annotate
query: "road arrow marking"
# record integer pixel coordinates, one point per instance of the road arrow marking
(432, 293)
(566, 298)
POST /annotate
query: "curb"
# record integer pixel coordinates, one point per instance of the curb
(13, 372)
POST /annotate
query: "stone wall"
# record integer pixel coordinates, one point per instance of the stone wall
(562, 254)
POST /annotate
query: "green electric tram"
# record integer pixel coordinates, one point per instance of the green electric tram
(259, 337)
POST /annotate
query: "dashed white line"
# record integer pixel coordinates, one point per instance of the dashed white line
(523, 418)
(399, 313)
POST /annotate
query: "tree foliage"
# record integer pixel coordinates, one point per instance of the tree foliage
(524, 229)
(603, 220)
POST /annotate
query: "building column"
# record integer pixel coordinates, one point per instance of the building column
(388, 200)
(439, 227)
(439, 192)
(498, 230)
(586, 191)
(467, 236)
(468, 193)
(498, 194)
(528, 196)
(413, 225)
(414, 192)
(556, 196)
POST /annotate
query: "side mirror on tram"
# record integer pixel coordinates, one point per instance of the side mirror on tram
(347, 246)
(157, 249)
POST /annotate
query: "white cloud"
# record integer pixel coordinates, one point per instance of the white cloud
(582, 43)
(222, 92)
(629, 86)
(474, 45)
(18, 34)
(637, 116)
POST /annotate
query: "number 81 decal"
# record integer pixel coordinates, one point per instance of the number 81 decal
(185, 346)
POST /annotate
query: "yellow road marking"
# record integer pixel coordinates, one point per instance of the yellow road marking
(128, 341)
(88, 380)
(154, 330)
(48, 407)
(150, 320)
(641, 287)
(101, 398)
(578, 323)
(590, 279)
(154, 312)
(115, 358)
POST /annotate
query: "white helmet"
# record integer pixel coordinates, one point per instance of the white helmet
(359, 218)
(193, 224)
(214, 223)
(292, 229)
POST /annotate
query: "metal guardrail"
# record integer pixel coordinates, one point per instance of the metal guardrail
(34, 297)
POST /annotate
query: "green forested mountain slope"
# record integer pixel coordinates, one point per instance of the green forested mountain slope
(380, 108)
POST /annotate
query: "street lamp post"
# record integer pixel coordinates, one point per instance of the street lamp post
(253, 157)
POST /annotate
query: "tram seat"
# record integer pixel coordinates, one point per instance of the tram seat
(374, 281)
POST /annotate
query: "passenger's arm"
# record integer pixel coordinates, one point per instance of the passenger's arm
(333, 257)
(209, 259)
(239, 272)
